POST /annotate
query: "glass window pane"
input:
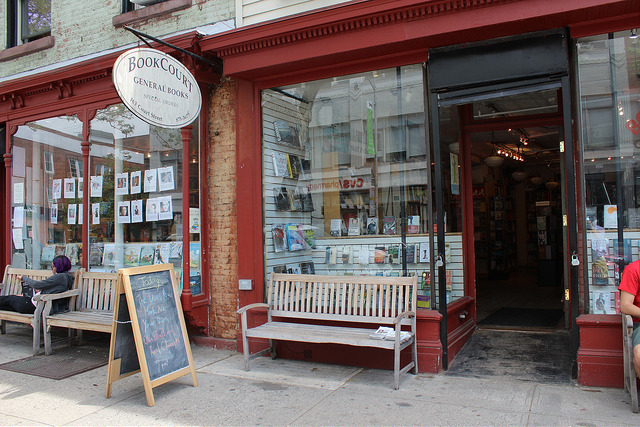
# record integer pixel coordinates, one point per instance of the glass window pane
(37, 16)
(610, 135)
(136, 194)
(46, 198)
(345, 176)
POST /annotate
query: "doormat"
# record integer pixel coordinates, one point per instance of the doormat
(62, 363)
(524, 317)
(540, 357)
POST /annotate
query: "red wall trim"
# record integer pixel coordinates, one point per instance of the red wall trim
(600, 352)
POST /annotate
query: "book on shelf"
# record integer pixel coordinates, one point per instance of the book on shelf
(294, 166)
(279, 268)
(413, 224)
(280, 164)
(347, 255)
(363, 256)
(295, 204)
(294, 269)
(281, 199)
(602, 303)
(305, 169)
(308, 267)
(310, 237)
(306, 202)
(379, 255)
(389, 225)
(295, 237)
(286, 133)
(336, 227)
(411, 253)
(372, 225)
(394, 254)
(354, 226)
(279, 242)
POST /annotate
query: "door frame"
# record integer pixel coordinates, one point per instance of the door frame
(569, 206)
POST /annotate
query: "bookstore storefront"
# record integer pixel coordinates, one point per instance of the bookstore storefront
(90, 180)
(351, 164)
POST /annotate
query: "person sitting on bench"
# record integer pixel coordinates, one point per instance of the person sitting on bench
(60, 281)
(630, 304)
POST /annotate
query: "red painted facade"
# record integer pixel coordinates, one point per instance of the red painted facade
(353, 37)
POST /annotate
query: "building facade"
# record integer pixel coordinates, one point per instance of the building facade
(486, 146)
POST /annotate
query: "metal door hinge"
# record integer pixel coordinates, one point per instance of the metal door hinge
(562, 146)
(566, 294)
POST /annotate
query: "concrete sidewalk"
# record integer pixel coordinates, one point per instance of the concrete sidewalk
(282, 392)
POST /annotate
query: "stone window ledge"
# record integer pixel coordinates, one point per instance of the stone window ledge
(150, 12)
(27, 48)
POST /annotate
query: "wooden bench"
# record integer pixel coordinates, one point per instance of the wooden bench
(627, 351)
(11, 285)
(317, 299)
(91, 307)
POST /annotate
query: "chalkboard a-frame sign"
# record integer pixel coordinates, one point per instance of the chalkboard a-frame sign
(148, 333)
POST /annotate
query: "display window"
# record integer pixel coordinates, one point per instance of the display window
(46, 192)
(135, 194)
(609, 89)
(345, 180)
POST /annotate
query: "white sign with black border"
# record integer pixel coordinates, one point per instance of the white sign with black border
(157, 88)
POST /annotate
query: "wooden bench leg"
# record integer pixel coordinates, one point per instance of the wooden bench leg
(272, 349)
(46, 329)
(396, 366)
(414, 354)
(245, 350)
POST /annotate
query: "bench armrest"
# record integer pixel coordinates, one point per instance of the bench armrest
(403, 315)
(252, 306)
(51, 297)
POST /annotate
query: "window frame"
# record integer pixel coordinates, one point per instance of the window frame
(18, 24)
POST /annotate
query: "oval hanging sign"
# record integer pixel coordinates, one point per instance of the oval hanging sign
(157, 88)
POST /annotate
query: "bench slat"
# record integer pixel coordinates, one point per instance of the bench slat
(321, 334)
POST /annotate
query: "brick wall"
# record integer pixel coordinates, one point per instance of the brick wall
(222, 205)
(82, 28)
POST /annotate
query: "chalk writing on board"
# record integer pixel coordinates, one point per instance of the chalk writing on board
(160, 328)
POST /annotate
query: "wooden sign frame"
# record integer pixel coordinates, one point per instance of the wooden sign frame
(115, 371)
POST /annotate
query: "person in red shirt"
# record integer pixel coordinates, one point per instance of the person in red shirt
(630, 304)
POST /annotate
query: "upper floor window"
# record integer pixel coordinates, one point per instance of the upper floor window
(131, 5)
(27, 20)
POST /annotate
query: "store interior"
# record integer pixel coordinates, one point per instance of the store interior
(517, 205)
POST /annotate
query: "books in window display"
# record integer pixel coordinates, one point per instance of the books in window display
(96, 251)
(310, 237)
(296, 238)
(389, 225)
(293, 166)
(307, 267)
(281, 199)
(306, 202)
(286, 133)
(280, 164)
(279, 242)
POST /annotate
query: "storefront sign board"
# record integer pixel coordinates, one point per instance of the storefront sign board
(149, 334)
(157, 88)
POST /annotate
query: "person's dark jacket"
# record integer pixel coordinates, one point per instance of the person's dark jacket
(59, 282)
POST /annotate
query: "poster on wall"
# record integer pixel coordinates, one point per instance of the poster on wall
(95, 213)
(124, 214)
(18, 216)
(135, 182)
(80, 214)
(602, 303)
(610, 216)
(122, 184)
(71, 214)
(17, 239)
(165, 178)
(150, 180)
(69, 188)
(96, 186)
(56, 189)
(53, 212)
(136, 211)
(152, 210)
(18, 193)
(194, 220)
(166, 208)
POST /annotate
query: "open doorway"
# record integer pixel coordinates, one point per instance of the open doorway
(517, 210)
